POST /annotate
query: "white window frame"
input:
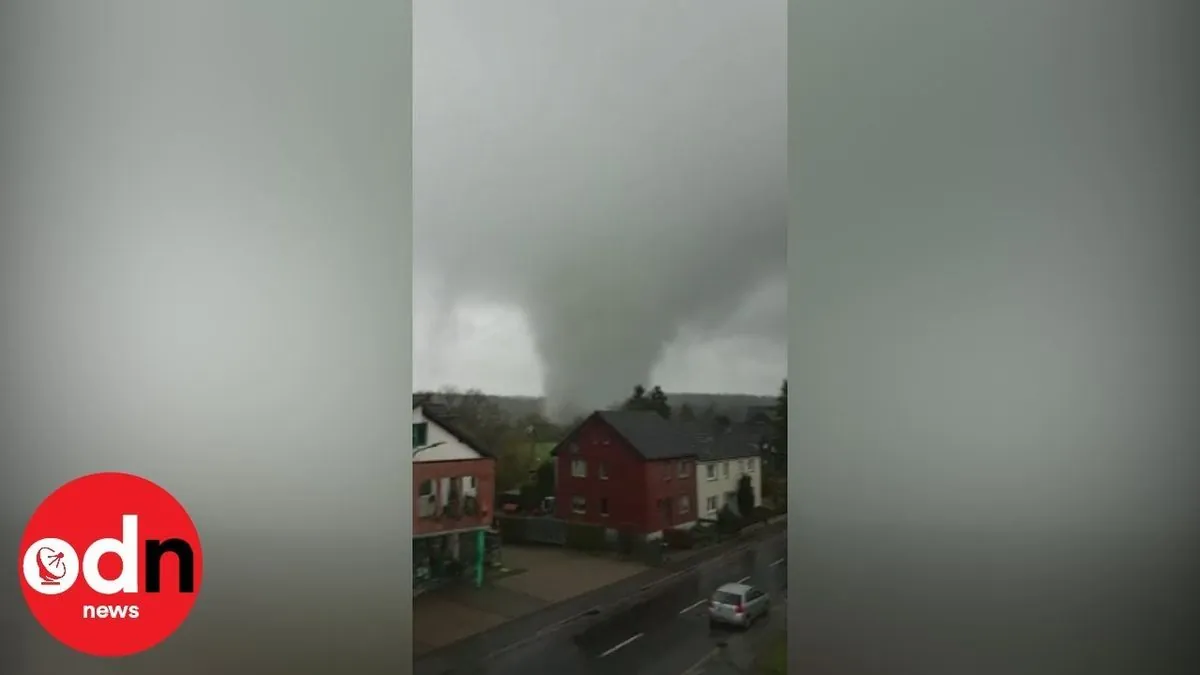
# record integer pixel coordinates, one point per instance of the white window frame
(604, 507)
(684, 469)
(685, 504)
(601, 471)
(710, 471)
(725, 469)
(750, 465)
(710, 504)
(579, 468)
(579, 504)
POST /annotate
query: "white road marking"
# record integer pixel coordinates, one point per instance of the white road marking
(698, 667)
(689, 608)
(610, 651)
(743, 580)
(779, 562)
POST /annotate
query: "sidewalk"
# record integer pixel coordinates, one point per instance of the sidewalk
(463, 655)
(546, 576)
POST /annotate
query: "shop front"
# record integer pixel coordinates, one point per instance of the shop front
(445, 558)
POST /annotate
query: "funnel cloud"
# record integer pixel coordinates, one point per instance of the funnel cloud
(615, 174)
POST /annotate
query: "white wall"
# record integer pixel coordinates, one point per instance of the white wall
(451, 448)
(706, 488)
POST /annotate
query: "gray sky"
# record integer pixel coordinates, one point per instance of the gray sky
(600, 196)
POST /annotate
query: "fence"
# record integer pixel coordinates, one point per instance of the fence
(532, 530)
(579, 536)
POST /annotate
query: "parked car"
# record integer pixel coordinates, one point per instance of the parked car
(737, 605)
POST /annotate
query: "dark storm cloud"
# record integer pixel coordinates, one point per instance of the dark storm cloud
(616, 169)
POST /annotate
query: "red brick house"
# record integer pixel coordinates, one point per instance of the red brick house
(454, 490)
(627, 470)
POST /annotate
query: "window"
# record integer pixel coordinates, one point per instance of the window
(603, 471)
(578, 505)
(420, 434)
(750, 465)
(710, 471)
(685, 504)
(604, 506)
(684, 469)
(579, 468)
(710, 505)
(426, 500)
(725, 469)
(741, 466)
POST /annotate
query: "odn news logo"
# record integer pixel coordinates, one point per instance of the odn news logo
(123, 594)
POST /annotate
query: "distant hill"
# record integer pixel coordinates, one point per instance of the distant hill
(733, 405)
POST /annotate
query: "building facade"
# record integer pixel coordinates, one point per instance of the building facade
(626, 471)
(718, 481)
(454, 482)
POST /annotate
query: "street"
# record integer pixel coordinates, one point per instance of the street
(667, 634)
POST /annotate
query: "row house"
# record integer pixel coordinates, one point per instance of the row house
(636, 471)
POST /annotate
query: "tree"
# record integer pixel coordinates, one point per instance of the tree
(638, 400)
(745, 496)
(686, 414)
(659, 403)
(544, 479)
(656, 400)
(514, 462)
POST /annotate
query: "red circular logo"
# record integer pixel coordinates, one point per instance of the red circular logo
(110, 564)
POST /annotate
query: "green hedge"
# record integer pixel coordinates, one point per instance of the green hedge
(678, 538)
(586, 537)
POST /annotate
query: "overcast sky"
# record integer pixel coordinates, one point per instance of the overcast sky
(600, 196)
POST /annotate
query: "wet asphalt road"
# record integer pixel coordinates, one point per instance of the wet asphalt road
(667, 634)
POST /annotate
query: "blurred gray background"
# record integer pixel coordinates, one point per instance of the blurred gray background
(206, 279)
(993, 413)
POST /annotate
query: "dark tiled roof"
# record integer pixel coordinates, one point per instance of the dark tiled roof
(650, 435)
(655, 438)
(439, 416)
(733, 443)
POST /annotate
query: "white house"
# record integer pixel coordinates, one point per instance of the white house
(724, 457)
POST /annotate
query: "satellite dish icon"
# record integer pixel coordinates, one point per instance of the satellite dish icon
(51, 567)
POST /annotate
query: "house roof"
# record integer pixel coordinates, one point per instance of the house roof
(444, 419)
(733, 443)
(649, 435)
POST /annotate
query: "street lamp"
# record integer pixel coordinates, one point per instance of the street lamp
(423, 448)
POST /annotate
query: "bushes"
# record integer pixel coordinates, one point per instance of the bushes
(761, 514)
(728, 522)
(586, 537)
(678, 538)
(628, 541)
